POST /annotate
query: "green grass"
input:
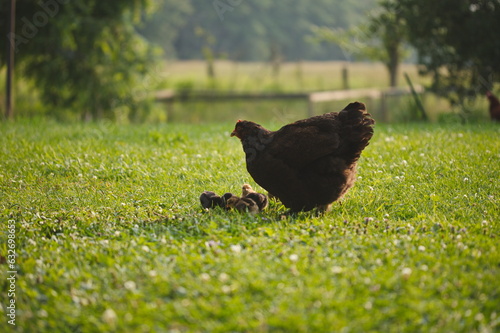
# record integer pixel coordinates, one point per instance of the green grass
(110, 235)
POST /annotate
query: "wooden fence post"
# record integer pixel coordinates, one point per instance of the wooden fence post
(383, 108)
(345, 77)
(310, 107)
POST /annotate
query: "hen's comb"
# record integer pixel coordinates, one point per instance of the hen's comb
(239, 121)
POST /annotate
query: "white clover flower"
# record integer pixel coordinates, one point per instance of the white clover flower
(205, 277)
(294, 257)
(223, 277)
(130, 285)
(236, 248)
(337, 269)
(109, 317)
(406, 272)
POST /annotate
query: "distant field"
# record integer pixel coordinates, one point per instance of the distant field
(110, 237)
(299, 76)
(295, 77)
(257, 77)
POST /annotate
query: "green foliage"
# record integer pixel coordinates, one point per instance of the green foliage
(110, 235)
(163, 23)
(457, 43)
(83, 56)
(380, 38)
(250, 30)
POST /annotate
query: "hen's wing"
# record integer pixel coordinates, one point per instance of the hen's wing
(338, 134)
(304, 141)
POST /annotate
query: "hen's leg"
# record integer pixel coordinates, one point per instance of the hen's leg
(324, 208)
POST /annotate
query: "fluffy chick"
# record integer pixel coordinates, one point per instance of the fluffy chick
(209, 199)
(242, 205)
(260, 199)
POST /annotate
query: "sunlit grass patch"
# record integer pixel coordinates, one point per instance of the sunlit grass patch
(110, 234)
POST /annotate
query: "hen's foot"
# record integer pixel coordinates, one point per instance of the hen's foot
(322, 209)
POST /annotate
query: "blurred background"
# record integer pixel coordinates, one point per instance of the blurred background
(206, 61)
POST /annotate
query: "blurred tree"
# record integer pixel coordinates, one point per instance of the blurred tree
(380, 38)
(83, 56)
(207, 51)
(163, 22)
(264, 30)
(457, 43)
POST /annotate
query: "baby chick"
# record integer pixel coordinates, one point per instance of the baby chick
(209, 199)
(246, 189)
(243, 205)
(259, 198)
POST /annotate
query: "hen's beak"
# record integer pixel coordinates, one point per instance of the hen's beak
(233, 133)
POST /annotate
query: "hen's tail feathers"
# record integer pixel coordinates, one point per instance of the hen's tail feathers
(357, 129)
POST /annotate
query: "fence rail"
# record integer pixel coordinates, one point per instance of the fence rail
(170, 96)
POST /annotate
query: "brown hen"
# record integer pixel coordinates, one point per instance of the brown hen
(310, 163)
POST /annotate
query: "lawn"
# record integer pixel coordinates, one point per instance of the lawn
(110, 236)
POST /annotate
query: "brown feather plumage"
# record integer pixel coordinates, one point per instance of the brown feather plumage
(310, 163)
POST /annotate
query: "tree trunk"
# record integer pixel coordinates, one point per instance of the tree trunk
(393, 66)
